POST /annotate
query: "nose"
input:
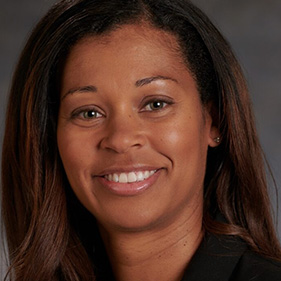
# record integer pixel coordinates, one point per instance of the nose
(123, 133)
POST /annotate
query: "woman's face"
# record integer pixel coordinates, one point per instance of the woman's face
(132, 133)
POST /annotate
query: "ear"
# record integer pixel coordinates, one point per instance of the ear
(214, 138)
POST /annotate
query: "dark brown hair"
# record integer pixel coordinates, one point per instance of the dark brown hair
(47, 228)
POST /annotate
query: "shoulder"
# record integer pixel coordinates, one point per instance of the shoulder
(257, 268)
(221, 258)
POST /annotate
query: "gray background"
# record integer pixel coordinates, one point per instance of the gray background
(253, 27)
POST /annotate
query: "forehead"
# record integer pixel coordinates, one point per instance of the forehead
(138, 39)
(124, 56)
(115, 62)
(144, 32)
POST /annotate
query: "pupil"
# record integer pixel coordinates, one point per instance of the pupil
(90, 114)
(157, 104)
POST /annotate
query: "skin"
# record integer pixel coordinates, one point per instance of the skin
(138, 123)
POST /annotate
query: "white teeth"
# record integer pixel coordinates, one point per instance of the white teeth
(146, 174)
(140, 176)
(132, 177)
(129, 177)
(123, 178)
(115, 178)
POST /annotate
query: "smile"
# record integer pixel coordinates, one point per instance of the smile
(129, 177)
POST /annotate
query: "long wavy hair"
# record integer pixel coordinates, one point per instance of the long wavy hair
(49, 233)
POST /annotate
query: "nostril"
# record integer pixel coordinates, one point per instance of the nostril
(122, 142)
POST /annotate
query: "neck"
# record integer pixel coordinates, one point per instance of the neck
(156, 254)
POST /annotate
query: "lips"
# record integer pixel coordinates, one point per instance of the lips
(128, 182)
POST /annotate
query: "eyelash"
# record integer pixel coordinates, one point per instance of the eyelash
(164, 102)
(160, 104)
(80, 114)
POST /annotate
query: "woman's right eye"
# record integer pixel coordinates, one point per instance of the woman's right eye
(86, 114)
(90, 114)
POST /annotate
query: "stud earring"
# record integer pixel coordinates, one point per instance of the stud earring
(217, 139)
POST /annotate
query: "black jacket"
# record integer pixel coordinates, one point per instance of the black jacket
(222, 258)
(218, 258)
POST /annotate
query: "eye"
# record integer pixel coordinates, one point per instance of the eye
(90, 114)
(155, 105)
(86, 114)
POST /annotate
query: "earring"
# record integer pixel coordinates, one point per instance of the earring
(217, 139)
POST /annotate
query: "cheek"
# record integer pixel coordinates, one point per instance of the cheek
(182, 135)
(74, 149)
(75, 152)
(185, 143)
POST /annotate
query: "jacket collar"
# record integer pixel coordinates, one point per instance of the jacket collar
(215, 259)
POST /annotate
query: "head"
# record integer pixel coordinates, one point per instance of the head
(232, 184)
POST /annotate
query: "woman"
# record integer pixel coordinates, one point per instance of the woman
(130, 151)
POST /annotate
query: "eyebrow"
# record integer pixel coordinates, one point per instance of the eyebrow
(84, 89)
(148, 80)
(139, 83)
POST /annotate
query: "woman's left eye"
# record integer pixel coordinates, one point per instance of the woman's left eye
(155, 105)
